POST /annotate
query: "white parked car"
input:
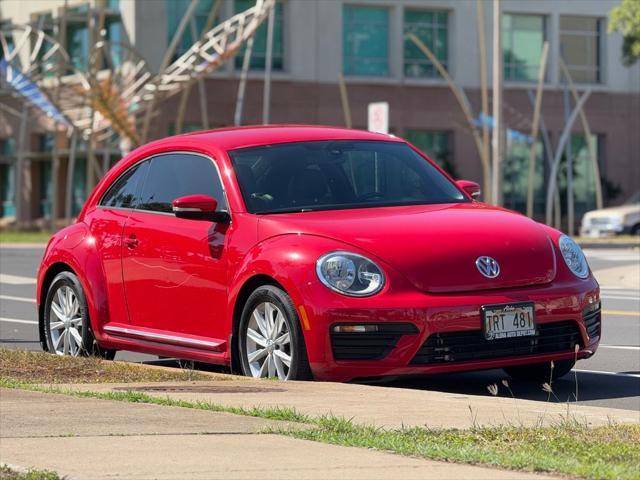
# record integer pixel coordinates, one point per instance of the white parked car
(624, 219)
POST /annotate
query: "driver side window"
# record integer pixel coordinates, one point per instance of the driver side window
(175, 175)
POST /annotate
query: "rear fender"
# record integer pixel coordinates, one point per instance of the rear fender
(74, 248)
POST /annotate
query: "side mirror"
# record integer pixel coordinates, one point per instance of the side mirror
(471, 188)
(199, 207)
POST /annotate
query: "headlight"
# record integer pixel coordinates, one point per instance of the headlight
(350, 274)
(573, 257)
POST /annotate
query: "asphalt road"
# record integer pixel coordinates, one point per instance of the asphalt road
(610, 378)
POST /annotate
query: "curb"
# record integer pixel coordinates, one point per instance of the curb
(215, 376)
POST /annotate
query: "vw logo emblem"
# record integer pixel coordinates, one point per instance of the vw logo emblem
(488, 267)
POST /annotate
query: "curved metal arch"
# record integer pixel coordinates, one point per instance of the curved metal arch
(112, 90)
(216, 46)
(553, 177)
(39, 69)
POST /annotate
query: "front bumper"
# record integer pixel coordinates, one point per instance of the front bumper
(443, 333)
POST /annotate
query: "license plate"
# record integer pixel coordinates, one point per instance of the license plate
(508, 320)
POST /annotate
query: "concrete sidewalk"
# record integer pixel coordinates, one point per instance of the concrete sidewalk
(373, 405)
(626, 276)
(102, 439)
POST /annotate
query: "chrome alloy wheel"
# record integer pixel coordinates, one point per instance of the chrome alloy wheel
(268, 342)
(65, 324)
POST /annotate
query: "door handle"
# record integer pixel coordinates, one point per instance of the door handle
(131, 242)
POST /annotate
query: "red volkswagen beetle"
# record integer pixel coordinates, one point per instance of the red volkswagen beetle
(312, 252)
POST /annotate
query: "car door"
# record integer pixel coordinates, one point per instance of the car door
(106, 223)
(174, 268)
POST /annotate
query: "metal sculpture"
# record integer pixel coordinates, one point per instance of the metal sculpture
(108, 97)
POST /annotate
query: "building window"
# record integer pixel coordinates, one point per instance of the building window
(515, 174)
(45, 142)
(259, 51)
(7, 190)
(46, 189)
(584, 189)
(114, 34)
(45, 67)
(7, 177)
(580, 39)
(437, 145)
(79, 187)
(432, 28)
(77, 36)
(366, 41)
(522, 40)
(176, 9)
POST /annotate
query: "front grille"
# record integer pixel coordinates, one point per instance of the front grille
(369, 345)
(592, 318)
(471, 345)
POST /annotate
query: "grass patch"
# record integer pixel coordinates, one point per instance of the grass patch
(7, 473)
(609, 452)
(13, 236)
(272, 413)
(568, 447)
(42, 367)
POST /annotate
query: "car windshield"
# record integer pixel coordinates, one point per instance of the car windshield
(328, 175)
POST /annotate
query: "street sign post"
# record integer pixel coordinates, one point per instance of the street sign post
(378, 117)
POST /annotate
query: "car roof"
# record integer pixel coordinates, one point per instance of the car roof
(257, 135)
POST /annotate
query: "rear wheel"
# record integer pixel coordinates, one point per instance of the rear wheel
(540, 372)
(66, 320)
(270, 340)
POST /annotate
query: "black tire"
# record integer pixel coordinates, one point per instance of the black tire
(540, 372)
(299, 367)
(635, 230)
(88, 346)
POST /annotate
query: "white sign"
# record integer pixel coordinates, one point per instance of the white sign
(378, 117)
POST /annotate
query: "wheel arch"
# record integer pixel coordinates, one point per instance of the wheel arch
(52, 271)
(73, 249)
(250, 284)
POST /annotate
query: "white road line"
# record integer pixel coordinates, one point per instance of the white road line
(600, 372)
(620, 347)
(618, 297)
(17, 299)
(16, 279)
(17, 320)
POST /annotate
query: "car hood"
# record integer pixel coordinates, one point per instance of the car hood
(436, 246)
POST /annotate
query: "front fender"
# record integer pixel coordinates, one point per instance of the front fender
(287, 259)
(290, 260)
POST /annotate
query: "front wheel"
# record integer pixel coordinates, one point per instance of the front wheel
(270, 340)
(540, 372)
(66, 320)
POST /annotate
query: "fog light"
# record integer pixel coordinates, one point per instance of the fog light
(355, 328)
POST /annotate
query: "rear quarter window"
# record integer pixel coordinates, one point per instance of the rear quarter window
(124, 191)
